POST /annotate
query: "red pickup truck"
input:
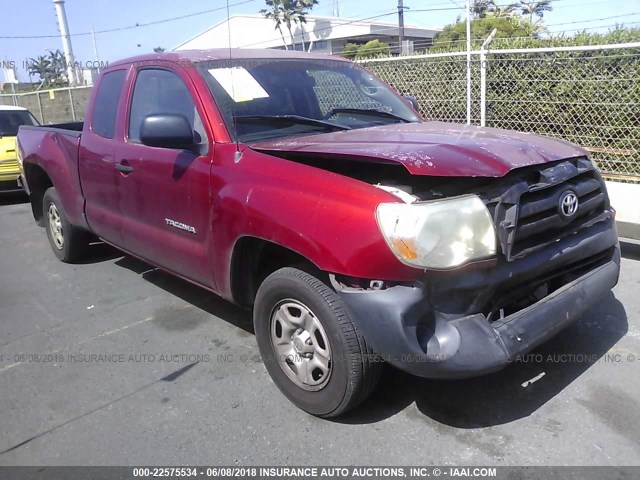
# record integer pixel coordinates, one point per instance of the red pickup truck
(304, 187)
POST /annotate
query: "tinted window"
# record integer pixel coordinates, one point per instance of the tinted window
(336, 89)
(105, 108)
(336, 92)
(10, 120)
(158, 92)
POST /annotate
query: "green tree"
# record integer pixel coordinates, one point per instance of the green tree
(350, 50)
(51, 68)
(480, 8)
(484, 8)
(295, 13)
(289, 12)
(373, 49)
(454, 36)
(58, 67)
(275, 11)
(498, 10)
(40, 66)
(537, 9)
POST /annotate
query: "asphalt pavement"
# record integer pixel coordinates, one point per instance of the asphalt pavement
(113, 362)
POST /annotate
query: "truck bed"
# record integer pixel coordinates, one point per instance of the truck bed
(54, 149)
(71, 128)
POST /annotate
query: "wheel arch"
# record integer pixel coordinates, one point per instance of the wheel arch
(254, 259)
(38, 181)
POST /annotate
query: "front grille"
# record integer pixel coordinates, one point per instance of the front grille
(527, 210)
(507, 300)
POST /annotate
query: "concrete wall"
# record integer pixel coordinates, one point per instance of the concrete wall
(625, 198)
(53, 106)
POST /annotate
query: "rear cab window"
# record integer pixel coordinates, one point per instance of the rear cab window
(105, 107)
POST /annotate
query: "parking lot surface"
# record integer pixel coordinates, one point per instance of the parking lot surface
(112, 362)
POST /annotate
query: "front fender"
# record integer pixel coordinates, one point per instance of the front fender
(327, 218)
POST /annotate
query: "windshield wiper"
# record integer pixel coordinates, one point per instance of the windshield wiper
(374, 112)
(292, 119)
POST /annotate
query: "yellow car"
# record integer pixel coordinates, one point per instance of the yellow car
(10, 119)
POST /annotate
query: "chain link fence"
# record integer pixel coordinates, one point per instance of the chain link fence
(438, 82)
(52, 106)
(586, 95)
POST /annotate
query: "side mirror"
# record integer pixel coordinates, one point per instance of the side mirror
(413, 101)
(167, 131)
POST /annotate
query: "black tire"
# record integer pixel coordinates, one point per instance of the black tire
(75, 241)
(354, 370)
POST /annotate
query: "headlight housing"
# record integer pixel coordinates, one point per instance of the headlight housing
(438, 234)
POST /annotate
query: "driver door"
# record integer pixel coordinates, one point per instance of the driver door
(165, 199)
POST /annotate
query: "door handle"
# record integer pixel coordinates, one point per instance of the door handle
(124, 168)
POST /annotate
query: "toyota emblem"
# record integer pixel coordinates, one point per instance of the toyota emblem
(568, 205)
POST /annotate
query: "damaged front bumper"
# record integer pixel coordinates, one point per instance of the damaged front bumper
(432, 328)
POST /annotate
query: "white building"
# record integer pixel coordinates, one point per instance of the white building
(87, 76)
(320, 34)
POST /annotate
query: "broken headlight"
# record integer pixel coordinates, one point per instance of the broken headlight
(438, 234)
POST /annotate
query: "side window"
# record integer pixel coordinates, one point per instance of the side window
(162, 91)
(103, 120)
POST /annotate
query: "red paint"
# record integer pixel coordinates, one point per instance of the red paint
(435, 148)
(327, 218)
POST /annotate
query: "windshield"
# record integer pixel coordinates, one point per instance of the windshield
(262, 99)
(10, 120)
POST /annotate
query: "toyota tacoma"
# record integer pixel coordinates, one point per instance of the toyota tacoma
(305, 188)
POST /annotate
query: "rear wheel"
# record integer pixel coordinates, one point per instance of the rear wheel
(310, 346)
(69, 243)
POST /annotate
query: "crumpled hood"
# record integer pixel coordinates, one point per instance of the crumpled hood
(433, 148)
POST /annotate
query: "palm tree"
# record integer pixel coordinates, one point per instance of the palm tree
(299, 11)
(40, 66)
(275, 12)
(57, 66)
(501, 10)
(480, 8)
(535, 8)
(50, 68)
(288, 12)
(288, 18)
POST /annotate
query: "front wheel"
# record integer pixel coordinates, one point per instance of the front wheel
(310, 346)
(69, 243)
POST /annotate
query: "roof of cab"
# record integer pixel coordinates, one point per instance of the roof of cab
(193, 56)
(11, 107)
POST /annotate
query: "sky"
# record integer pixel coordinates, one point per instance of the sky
(130, 36)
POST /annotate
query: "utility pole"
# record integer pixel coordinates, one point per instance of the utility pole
(336, 8)
(66, 40)
(400, 25)
(95, 44)
(468, 62)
